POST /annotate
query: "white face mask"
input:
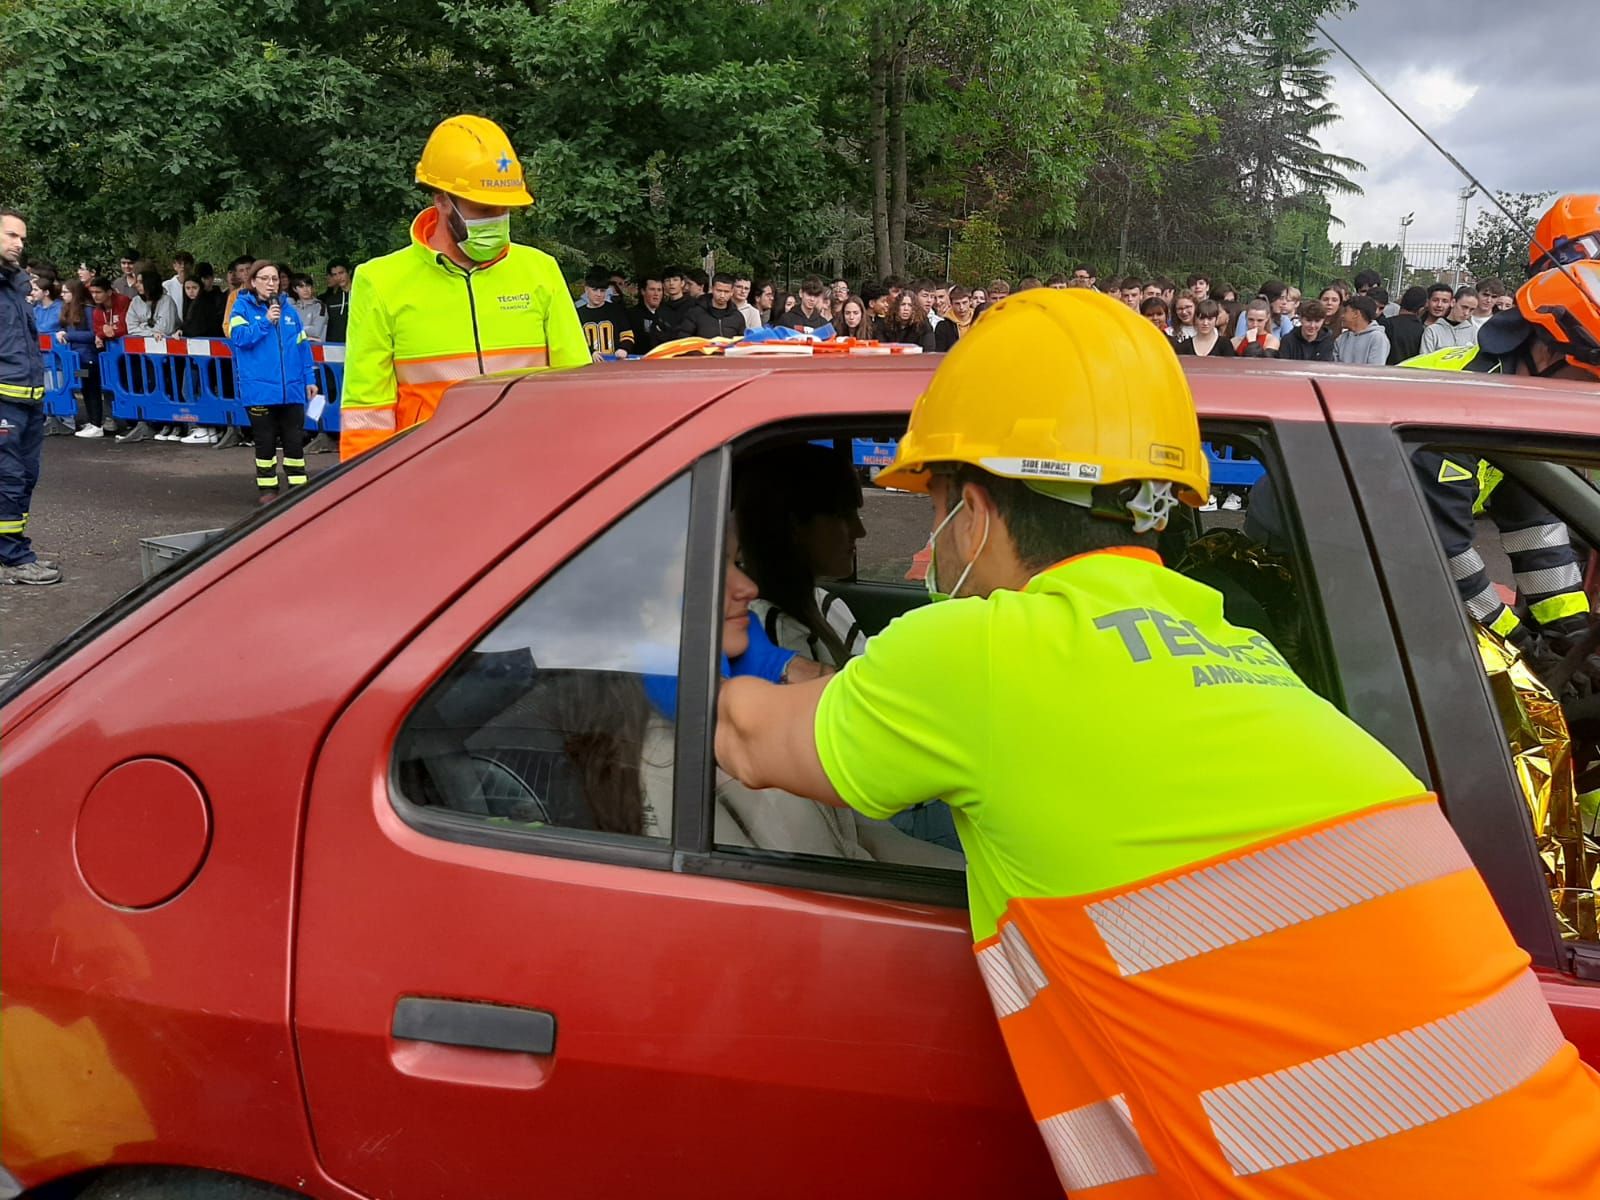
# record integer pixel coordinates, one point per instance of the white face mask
(930, 580)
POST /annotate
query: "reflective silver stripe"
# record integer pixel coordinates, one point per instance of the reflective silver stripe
(1540, 537)
(1011, 972)
(1387, 1086)
(1466, 564)
(1549, 580)
(1095, 1145)
(1485, 604)
(1282, 885)
(353, 417)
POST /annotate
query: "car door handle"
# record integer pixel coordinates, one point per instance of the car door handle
(484, 1026)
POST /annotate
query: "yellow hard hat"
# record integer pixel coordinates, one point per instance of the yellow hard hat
(1058, 385)
(471, 157)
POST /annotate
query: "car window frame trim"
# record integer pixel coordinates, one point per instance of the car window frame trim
(1448, 687)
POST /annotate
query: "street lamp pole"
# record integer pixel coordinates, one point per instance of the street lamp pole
(1400, 266)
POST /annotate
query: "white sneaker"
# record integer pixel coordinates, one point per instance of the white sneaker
(196, 437)
(1233, 503)
(1210, 505)
(90, 431)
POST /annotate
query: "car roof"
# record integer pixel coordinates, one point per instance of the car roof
(1223, 388)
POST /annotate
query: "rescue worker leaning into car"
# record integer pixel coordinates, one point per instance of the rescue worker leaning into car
(1233, 945)
(460, 300)
(1553, 331)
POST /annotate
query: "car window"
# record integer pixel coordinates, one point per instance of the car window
(558, 716)
(1263, 588)
(1517, 532)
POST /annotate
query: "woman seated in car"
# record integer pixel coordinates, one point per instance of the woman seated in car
(766, 818)
(798, 512)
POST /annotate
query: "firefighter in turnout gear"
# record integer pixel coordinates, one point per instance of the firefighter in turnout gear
(1553, 332)
(461, 300)
(1233, 945)
(21, 410)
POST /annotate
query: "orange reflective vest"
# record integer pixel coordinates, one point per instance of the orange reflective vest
(1339, 1012)
(420, 322)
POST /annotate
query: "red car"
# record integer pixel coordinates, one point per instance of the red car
(333, 909)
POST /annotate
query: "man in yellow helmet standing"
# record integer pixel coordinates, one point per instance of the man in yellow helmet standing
(1234, 948)
(460, 300)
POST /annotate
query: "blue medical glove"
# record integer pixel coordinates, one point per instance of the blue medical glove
(761, 658)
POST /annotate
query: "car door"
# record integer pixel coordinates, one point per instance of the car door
(491, 1004)
(1378, 426)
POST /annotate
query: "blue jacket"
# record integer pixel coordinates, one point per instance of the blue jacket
(47, 317)
(272, 364)
(21, 364)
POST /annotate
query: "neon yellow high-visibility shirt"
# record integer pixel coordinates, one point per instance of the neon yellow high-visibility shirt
(419, 322)
(1102, 725)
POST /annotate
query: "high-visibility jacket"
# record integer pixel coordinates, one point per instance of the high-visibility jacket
(419, 322)
(1335, 1013)
(1459, 486)
(1234, 948)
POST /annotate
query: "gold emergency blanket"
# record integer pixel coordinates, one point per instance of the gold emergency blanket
(1541, 755)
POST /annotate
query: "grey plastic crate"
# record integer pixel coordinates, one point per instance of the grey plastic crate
(156, 553)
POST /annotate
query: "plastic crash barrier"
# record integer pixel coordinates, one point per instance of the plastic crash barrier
(61, 372)
(1227, 468)
(189, 381)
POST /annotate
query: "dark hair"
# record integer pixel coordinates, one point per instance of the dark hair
(50, 285)
(864, 330)
(1093, 274)
(184, 257)
(1056, 280)
(722, 277)
(1045, 530)
(780, 301)
(811, 285)
(1194, 279)
(1028, 281)
(340, 262)
(1368, 279)
(1312, 310)
(300, 279)
(597, 277)
(960, 293)
(738, 275)
(205, 271)
(1413, 298)
(1208, 308)
(1436, 286)
(1273, 288)
(1464, 291)
(101, 282)
(1131, 283)
(1151, 305)
(893, 329)
(871, 290)
(260, 265)
(75, 305)
(777, 492)
(1380, 294)
(1492, 286)
(130, 254)
(648, 279)
(244, 260)
(150, 283)
(671, 273)
(696, 277)
(893, 283)
(7, 211)
(1365, 305)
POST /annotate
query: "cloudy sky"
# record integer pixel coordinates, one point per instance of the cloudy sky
(1460, 67)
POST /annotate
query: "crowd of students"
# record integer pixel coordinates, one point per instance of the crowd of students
(1345, 322)
(89, 310)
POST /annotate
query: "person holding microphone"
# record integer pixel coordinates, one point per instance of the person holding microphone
(274, 376)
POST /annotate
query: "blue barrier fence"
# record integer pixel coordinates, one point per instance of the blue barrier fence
(189, 381)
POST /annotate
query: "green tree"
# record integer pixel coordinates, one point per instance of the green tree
(979, 253)
(1498, 245)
